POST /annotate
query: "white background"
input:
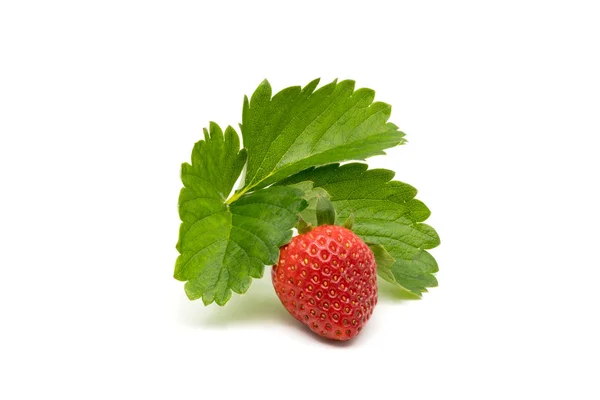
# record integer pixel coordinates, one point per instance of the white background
(100, 103)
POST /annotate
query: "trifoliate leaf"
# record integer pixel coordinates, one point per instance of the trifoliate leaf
(222, 246)
(299, 128)
(385, 213)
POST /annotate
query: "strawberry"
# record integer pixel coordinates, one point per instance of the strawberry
(327, 279)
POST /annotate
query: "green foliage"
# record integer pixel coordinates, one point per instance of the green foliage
(299, 127)
(223, 246)
(385, 213)
(292, 140)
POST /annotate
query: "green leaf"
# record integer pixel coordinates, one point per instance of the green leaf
(223, 246)
(299, 128)
(384, 262)
(385, 213)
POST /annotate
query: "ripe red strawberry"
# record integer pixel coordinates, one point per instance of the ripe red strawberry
(327, 279)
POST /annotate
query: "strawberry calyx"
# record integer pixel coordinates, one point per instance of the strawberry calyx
(325, 211)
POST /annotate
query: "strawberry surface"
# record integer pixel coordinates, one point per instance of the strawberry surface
(327, 279)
